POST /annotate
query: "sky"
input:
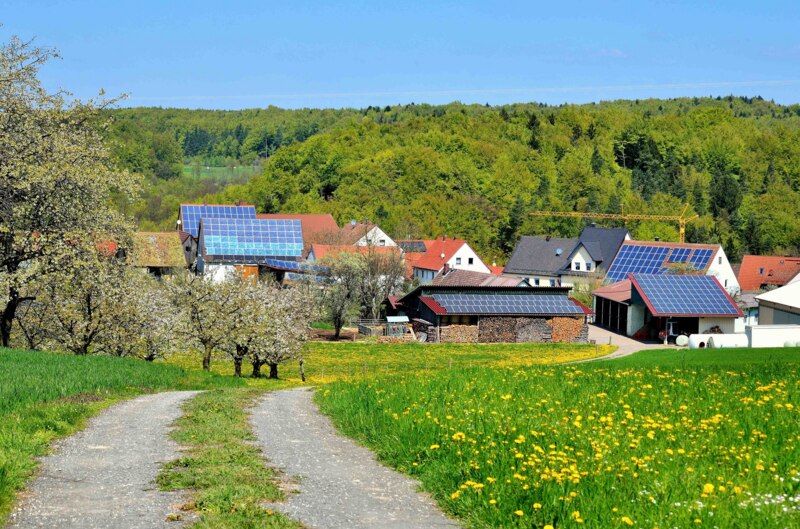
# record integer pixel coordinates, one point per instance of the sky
(295, 53)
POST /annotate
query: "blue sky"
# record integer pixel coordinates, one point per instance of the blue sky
(312, 54)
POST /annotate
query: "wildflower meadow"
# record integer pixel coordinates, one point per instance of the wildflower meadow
(606, 445)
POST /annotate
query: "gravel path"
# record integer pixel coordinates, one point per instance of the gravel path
(341, 484)
(103, 477)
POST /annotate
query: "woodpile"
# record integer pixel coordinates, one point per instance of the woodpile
(459, 333)
(534, 330)
(493, 330)
(569, 330)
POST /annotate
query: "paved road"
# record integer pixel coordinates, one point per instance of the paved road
(625, 346)
(341, 484)
(103, 477)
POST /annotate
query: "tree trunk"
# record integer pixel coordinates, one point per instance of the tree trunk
(273, 371)
(337, 330)
(8, 317)
(237, 366)
(207, 358)
(256, 368)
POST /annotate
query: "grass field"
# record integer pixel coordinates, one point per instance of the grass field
(44, 396)
(241, 172)
(659, 439)
(329, 361)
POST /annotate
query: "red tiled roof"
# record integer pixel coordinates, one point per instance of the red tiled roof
(496, 270)
(620, 291)
(393, 301)
(776, 271)
(317, 227)
(584, 308)
(468, 278)
(438, 252)
(433, 305)
(321, 250)
(351, 233)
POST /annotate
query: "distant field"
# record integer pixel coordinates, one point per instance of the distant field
(45, 395)
(328, 361)
(242, 172)
(658, 439)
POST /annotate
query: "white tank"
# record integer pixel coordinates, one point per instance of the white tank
(699, 341)
(682, 340)
(724, 341)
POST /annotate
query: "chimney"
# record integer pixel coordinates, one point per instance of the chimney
(444, 237)
(205, 202)
(446, 269)
(547, 238)
(593, 224)
(658, 238)
(238, 203)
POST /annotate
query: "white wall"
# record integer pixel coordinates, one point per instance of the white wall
(465, 253)
(635, 319)
(219, 273)
(374, 237)
(423, 275)
(728, 325)
(581, 258)
(724, 272)
(544, 281)
(772, 335)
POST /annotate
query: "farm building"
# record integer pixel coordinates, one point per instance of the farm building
(318, 252)
(758, 272)
(455, 277)
(250, 245)
(555, 261)
(641, 257)
(470, 314)
(189, 215)
(646, 305)
(425, 259)
(318, 228)
(780, 306)
(158, 252)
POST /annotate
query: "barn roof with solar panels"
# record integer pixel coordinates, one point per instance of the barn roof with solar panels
(494, 301)
(684, 295)
(191, 214)
(640, 257)
(251, 241)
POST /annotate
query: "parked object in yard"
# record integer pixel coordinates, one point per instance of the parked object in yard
(772, 335)
(725, 341)
(682, 340)
(698, 341)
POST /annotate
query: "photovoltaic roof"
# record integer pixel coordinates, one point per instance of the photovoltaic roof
(251, 240)
(655, 259)
(499, 304)
(192, 213)
(412, 246)
(682, 295)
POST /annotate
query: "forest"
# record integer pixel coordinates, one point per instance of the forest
(476, 171)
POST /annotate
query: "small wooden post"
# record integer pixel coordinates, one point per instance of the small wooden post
(302, 371)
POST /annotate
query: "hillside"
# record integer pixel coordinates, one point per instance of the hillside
(475, 171)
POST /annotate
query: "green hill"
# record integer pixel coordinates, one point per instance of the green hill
(474, 171)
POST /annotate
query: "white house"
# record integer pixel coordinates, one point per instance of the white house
(364, 234)
(438, 255)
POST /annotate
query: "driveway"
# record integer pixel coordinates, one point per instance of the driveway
(625, 346)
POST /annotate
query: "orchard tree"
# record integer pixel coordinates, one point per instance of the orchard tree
(382, 274)
(204, 308)
(340, 298)
(56, 180)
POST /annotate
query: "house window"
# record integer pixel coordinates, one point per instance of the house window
(458, 260)
(720, 259)
(536, 282)
(552, 282)
(577, 265)
(470, 260)
(382, 242)
(761, 271)
(726, 282)
(588, 267)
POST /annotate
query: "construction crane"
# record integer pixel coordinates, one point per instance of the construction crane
(681, 219)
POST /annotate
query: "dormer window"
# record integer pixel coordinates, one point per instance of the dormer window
(588, 267)
(577, 265)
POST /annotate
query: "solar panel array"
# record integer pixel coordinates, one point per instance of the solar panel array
(646, 259)
(506, 304)
(297, 266)
(251, 240)
(686, 295)
(191, 215)
(412, 246)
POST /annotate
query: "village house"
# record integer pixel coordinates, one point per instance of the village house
(318, 228)
(553, 261)
(759, 272)
(160, 253)
(645, 306)
(362, 234)
(319, 252)
(425, 259)
(780, 306)
(486, 314)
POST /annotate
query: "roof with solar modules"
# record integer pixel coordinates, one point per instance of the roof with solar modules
(641, 257)
(250, 241)
(668, 295)
(493, 301)
(190, 214)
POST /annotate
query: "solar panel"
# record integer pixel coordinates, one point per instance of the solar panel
(506, 304)
(412, 246)
(297, 266)
(647, 259)
(686, 295)
(251, 240)
(191, 214)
